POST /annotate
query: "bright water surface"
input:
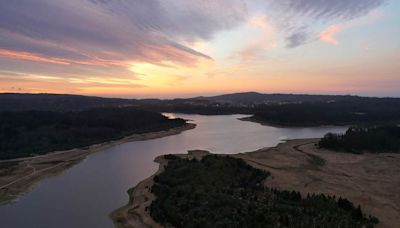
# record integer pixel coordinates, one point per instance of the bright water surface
(85, 194)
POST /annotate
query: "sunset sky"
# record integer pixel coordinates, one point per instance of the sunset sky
(181, 48)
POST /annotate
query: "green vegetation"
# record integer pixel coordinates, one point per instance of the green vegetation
(28, 133)
(358, 139)
(226, 192)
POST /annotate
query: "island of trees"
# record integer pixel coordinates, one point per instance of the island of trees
(28, 133)
(376, 139)
(226, 192)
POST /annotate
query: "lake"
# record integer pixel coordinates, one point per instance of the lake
(84, 195)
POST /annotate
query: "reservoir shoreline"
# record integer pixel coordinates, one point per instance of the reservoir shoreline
(19, 176)
(91, 189)
(369, 180)
(298, 125)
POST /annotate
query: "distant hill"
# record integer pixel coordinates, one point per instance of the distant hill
(245, 103)
(260, 98)
(57, 102)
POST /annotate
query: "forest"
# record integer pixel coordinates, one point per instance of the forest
(275, 109)
(28, 133)
(222, 191)
(368, 111)
(375, 139)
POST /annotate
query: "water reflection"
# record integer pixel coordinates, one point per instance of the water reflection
(85, 194)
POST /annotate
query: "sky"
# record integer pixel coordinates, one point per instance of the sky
(184, 48)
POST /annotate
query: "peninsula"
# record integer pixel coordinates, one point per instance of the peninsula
(297, 169)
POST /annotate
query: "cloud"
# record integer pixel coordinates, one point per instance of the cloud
(26, 82)
(297, 18)
(93, 39)
(261, 37)
(328, 35)
(86, 40)
(296, 39)
(152, 30)
(326, 10)
(21, 55)
(30, 56)
(148, 30)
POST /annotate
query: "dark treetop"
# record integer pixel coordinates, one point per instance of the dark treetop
(376, 139)
(226, 192)
(28, 133)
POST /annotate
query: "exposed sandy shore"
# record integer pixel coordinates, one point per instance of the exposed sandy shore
(371, 180)
(18, 176)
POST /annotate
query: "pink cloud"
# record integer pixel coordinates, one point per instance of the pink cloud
(328, 35)
(29, 56)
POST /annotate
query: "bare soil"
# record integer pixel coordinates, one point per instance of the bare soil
(369, 180)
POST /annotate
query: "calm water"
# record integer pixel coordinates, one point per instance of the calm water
(84, 195)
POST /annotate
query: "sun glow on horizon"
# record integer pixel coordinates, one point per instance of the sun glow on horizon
(219, 47)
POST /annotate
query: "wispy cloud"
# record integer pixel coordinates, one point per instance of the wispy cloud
(83, 41)
(300, 19)
(93, 61)
(297, 38)
(78, 31)
(102, 38)
(141, 30)
(261, 39)
(328, 35)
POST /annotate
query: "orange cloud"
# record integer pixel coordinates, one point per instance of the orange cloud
(151, 53)
(158, 54)
(30, 56)
(328, 35)
(22, 55)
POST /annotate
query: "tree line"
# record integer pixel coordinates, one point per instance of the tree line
(376, 139)
(28, 133)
